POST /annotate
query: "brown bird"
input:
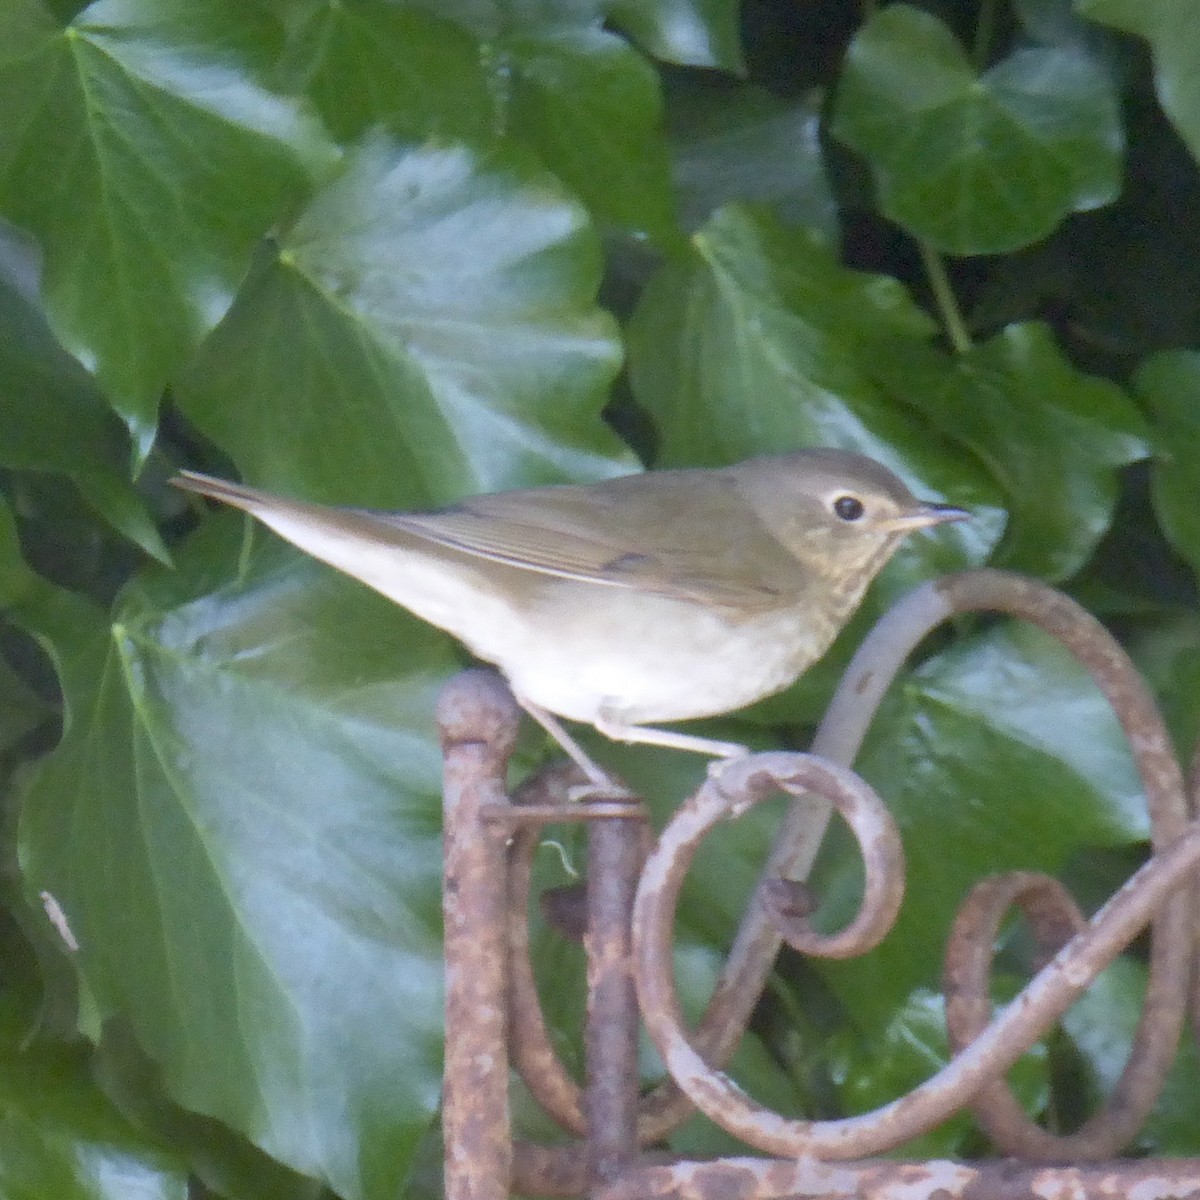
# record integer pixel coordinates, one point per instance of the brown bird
(648, 598)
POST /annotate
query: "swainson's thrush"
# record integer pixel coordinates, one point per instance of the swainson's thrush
(647, 598)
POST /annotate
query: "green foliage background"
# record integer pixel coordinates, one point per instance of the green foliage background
(396, 253)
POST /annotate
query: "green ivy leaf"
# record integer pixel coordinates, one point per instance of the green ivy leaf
(225, 1164)
(242, 826)
(977, 164)
(590, 105)
(1170, 384)
(693, 33)
(760, 341)
(911, 1047)
(1165, 647)
(585, 100)
(21, 709)
(1101, 1026)
(1052, 22)
(582, 97)
(428, 328)
(1053, 435)
(54, 418)
(999, 753)
(1172, 27)
(373, 62)
(748, 145)
(142, 151)
(753, 1066)
(17, 582)
(58, 1135)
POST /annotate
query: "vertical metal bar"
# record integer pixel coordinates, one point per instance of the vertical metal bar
(478, 722)
(610, 1046)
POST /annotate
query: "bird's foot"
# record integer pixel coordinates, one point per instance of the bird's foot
(619, 731)
(598, 791)
(718, 766)
(600, 785)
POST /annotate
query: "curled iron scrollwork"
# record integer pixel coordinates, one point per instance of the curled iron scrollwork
(1161, 895)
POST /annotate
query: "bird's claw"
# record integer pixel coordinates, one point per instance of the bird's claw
(718, 766)
(598, 790)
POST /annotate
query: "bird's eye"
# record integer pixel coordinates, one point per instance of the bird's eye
(849, 508)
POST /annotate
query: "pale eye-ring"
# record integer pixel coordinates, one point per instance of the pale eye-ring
(849, 508)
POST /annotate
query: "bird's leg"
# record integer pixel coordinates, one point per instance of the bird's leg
(600, 782)
(620, 732)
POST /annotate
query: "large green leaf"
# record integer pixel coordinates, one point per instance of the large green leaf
(753, 1065)
(241, 826)
(1172, 27)
(977, 164)
(373, 62)
(747, 144)
(694, 33)
(140, 148)
(427, 328)
(1165, 646)
(1170, 383)
(1052, 434)
(222, 1160)
(760, 341)
(997, 754)
(590, 105)
(59, 1137)
(585, 100)
(874, 1070)
(18, 584)
(1102, 1026)
(54, 418)
(21, 709)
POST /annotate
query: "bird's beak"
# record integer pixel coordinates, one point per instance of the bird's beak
(925, 515)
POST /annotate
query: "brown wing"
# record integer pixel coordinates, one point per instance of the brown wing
(681, 533)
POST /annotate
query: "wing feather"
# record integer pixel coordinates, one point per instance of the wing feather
(688, 534)
(702, 541)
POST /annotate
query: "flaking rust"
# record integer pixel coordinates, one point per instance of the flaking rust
(494, 1021)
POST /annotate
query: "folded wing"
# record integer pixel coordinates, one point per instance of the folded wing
(687, 534)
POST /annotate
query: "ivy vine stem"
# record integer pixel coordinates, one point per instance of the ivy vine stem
(943, 294)
(983, 33)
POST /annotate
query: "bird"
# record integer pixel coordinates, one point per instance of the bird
(648, 598)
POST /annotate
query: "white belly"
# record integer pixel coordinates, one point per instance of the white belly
(635, 659)
(582, 650)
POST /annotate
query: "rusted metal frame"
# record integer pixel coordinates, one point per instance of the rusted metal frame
(610, 1041)
(871, 671)
(483, 839)
(550, 1170)
(993, 1051)
(997, 1179)
(616, 850)
(533, 1053)
(1172, 950)
(558, 1170)
(1193, 796)
(1054, 919)
(532, 1050)
(478, 721)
